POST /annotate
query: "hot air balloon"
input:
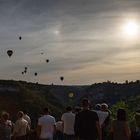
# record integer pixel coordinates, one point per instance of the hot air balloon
(35, 73)
(20, 37)
(25, 71)
(71, 94)
(47, 60)
(9, 52)
(25, 68)
(22, 72)
(61, 78)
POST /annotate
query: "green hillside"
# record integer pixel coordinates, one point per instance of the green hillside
(20, 95)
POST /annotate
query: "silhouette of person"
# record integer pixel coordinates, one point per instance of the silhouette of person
(87, 123)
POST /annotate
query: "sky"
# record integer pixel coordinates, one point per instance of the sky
(86, 41)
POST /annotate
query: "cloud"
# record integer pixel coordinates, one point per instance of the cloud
(81, 38)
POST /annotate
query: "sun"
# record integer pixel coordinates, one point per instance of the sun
(130, 28)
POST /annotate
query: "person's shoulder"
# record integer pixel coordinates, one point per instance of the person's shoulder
(25, 121)
(26, 116)
(92, 111)
(79, 113)
(41, 118)
(102, 112)
(51, 117)
(18, 120)
(64, 114)
(85, 112)
(73, 114)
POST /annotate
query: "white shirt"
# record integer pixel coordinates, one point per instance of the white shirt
(68, 119)
(47, 123)
(21, 127)
(102, 116)
(27, 118)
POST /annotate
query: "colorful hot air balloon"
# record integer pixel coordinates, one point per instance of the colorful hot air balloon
(61, 78)
(9, 52)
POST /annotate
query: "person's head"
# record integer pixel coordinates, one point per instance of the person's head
(25, 111)
(68, 108)
(85, 103)
(121, 115)
(5, 116)
(20, 114)
(77, 109)
(46, 110)
(104, 107)
(98, 106)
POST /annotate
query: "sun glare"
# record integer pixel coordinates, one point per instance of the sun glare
(130, 29)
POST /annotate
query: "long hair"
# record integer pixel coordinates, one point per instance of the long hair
(121, 115)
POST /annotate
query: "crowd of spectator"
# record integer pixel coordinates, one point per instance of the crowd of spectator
(79, 123)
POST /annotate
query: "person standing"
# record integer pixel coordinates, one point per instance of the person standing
(106, 123)
(101, 114)
(119, 128)
(26, 117)
(5, 127)
(46, 126)
(59, 130)
(21, 128)
(87, 123)
(68, 120)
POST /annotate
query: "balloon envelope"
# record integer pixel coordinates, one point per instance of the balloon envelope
(20, 38)
(61, 78)
(35, 74)
(9, 52)
(47, 60)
